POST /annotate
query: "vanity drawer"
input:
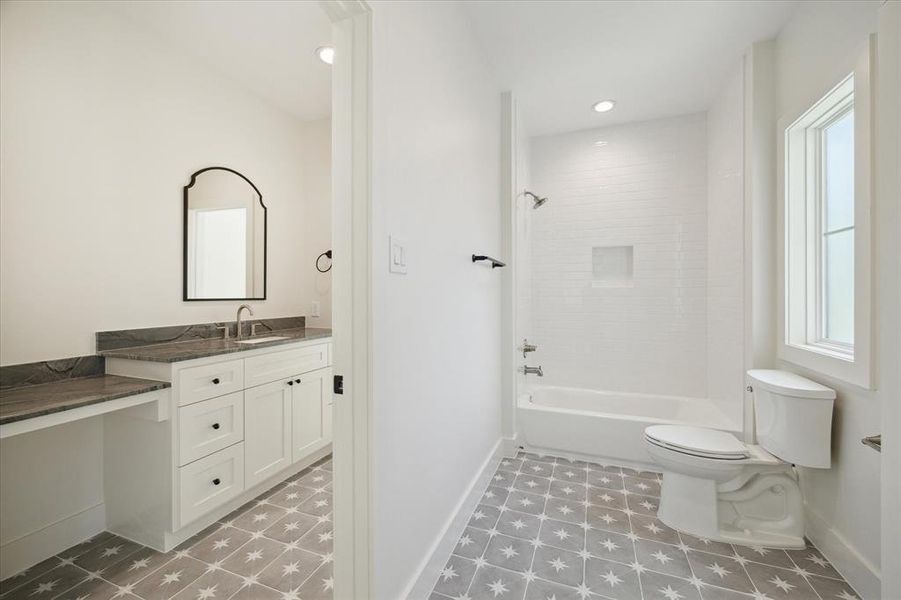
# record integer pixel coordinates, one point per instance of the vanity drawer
(208, 426)
(210, 482)
(278, 365)
(209, 381)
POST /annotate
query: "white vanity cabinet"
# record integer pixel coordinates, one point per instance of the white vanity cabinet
(240, 422)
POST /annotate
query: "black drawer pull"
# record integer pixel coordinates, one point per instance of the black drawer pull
(297, 381)
(216, 381)
(216, 481)
(215, 425)
(290, 383)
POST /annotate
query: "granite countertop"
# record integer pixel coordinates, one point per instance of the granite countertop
(179, 351)
(26, 402)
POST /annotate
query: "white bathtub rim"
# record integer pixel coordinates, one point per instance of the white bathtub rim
(591, 458)
(524, 402)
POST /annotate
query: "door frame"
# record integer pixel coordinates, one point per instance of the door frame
(351, 293)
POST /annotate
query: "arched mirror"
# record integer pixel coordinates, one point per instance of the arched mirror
(225, 237)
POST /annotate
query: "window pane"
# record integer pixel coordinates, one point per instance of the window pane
(838, 166)
(838, 287)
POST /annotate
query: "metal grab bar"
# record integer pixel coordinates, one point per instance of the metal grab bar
(873, 441)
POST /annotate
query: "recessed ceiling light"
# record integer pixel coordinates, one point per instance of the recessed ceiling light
(603, 105)
(600, 143)
(326, 54)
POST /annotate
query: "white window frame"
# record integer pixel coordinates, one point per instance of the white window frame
(801, 339)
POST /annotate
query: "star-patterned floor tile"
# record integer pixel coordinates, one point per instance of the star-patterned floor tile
(610, 546)
(566, 510)
(23, 577)
(259, 518)
(705, 545)
(455, 577)
(495, 496)
(320, 585)
(253, 557)
(484, 516)
(492, 583)
(780, 583)
(642, 474)
(170, 578)
(652, 528)
(612, 579)
(643, 505)
(643, 487)
(559, 566)
(605, 480)
(291, 497)
(608, 519)
(510, 553)
(520, 525)
(537, 468)
(472, 543)
(320, 539)
(290, 569)
(720, 571)
(607, 498)
(530, 483)
(214, 585)
(526, 502)
(106, 554)
(832, 589)
(566, 490)
(662, 558)
(49, 584)
(503, 478)
(810, 559)
(93, 589)
(135, 567)
(542, 590)
(291, 527)
(570, 473)
(657, 586)
(767, 556)
(561, 534)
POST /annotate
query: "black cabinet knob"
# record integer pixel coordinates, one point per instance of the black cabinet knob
(215, 425)
(290, 383)
(216, 481)
(297, 381)
(216, 381)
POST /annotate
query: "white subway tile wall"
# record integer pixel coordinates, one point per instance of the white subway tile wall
(645, 187)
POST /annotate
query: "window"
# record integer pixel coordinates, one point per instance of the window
(825, 325)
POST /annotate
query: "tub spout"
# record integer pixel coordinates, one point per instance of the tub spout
(533, 371)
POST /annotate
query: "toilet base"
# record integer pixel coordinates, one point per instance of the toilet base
(760, 507)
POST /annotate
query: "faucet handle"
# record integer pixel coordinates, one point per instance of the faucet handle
(225, 331)
(253, 328)
(527, 347)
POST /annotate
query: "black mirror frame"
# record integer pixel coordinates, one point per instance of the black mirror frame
(185, 238)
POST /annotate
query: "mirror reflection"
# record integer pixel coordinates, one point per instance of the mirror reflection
(225, 237)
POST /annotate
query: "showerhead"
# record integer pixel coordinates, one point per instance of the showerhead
(536, 200)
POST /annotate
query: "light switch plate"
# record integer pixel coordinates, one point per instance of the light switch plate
(397, 255)
(314, 309)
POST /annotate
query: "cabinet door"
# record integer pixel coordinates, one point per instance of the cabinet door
(267, 430)
(309, 398)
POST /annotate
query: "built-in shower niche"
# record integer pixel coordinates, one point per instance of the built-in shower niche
(611, 267)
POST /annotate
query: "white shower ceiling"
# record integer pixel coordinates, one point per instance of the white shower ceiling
(655, 59)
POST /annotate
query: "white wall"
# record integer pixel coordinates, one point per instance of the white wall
(646, 188)
(101, 125)
(436, 330)
(725, 249)
(816, 49)
(316, 232)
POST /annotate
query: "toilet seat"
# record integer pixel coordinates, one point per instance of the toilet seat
(698, 441)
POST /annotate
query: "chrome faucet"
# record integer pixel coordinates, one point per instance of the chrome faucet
(240, 334)
(533, 370)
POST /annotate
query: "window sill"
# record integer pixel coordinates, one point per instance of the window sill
(828, 362)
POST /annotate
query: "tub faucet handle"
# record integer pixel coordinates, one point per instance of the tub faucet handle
(527, 347)
(527, 370)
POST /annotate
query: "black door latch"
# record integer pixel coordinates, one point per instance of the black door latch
(338, 384)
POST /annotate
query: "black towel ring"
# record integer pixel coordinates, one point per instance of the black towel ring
(328, 255)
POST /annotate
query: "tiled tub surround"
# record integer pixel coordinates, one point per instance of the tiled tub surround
(37, 389)
(554, 528)
(278, 546)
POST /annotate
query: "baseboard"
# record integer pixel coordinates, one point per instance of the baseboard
(863, 576)
(28, 550)
(438, 554)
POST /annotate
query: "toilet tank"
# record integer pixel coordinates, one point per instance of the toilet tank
(794, 417)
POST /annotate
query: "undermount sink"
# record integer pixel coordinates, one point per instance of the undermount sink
(271, 338)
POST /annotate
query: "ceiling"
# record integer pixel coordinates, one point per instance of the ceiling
(267, 46)
(654, 58)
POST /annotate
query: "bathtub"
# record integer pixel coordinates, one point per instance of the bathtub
(607, 426)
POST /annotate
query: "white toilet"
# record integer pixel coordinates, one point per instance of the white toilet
(717, 487)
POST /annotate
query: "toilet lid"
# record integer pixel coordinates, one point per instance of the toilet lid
(697, 440)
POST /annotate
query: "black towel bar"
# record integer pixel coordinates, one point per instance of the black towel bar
(495, 263)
